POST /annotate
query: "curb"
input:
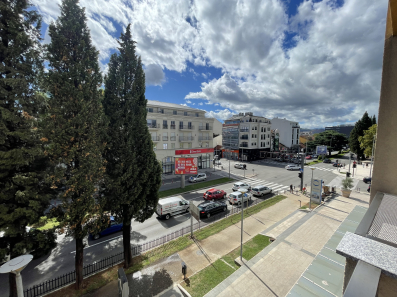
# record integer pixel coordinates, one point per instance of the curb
(184, 292)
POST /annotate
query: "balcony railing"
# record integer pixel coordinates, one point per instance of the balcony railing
(155, 138)
(153, 126)
(186, 138)
(206, 128)
(188, 127)
(244, 137)
(165, 138)
(172, 126)
(173, 138)
(244, 130)
(178, 113)
(244, 145)
(205, 137)
(165, 126)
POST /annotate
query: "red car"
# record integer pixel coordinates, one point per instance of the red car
(308, 157)
(213, 194)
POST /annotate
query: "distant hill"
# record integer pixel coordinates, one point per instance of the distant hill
(314, 131)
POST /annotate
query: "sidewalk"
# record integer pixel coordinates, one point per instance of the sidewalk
(159, 278)
(275, 270)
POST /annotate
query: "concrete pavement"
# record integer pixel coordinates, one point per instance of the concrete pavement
(275, 270)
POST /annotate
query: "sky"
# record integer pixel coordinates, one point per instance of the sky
(312, 61)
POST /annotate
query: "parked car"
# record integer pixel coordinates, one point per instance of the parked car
(198, 177)
(337, 165)
(112, 228)
(327, 161)
(171, 206)
(239, 165)
(241, 185)
(260, 190)
(237, 197)
(213, 194)
(308, 157)
(207, 209)
(367, 179)
(292, 167)
(314, 156)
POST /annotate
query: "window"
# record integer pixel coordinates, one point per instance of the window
(252, 135)
(268, 128)
(165, 124)
(256, 128)
(165, 146)
(268, 135)
(160, 110)
(154, 146)
(150, 109)
(180, 125)
(172, 145)
(189, 145)
(174, 112)
(172, 125)
(185, 113)
(197, 115)
(189, 125)
(252, 127)
(181, 145)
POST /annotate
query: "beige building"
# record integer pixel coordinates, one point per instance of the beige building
(176, 127)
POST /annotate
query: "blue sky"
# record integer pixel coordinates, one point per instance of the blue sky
(312, 61)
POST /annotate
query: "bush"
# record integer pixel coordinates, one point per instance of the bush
(320, 157)
(347, 183)
(41, 242)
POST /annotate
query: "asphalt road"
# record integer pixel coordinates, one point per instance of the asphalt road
(61, 259)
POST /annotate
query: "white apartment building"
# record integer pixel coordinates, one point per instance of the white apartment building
(246, 137)
(176, 127)
(289, 131)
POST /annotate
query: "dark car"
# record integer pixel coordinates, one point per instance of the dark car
(207, 209)
(112, 228)
(327, 161)
(367, 179)
(214, 194)
(337, 165)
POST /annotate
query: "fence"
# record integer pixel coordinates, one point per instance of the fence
(90, 269)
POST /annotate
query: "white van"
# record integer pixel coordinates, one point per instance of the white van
(171, 206)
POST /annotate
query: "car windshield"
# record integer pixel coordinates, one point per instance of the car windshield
(236, 185)
(255, 189)
(208, 193)
(200, 207)
(232, 196)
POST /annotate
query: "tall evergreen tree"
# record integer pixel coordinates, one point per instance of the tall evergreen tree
(361, 125)
(373, 120)
(74, 123)
(133, 172)
(24, 194)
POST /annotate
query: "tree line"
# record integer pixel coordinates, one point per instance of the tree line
(63, 137)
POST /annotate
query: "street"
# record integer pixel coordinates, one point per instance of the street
(267, 172)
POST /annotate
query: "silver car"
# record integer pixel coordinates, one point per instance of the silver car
(260, 190)
(198, 177)
(237, 197)
(241, 185)
(238, 165)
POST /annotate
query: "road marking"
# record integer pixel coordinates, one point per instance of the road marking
(114, 238)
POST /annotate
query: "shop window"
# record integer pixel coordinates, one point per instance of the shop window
(172, 145)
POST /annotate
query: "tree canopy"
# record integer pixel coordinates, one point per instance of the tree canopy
(361, 125)
(332, 139)
(366, 141)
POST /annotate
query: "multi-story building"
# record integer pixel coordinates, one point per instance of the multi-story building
(246, 137)
(180, 130)
(341, 129)
(288, 132)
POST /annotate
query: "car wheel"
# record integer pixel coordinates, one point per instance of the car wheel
(213, 200)
(224, 196)
(239, 203)
(96, 236)
(187, 209)
(263, 194)
(167, 216)
(225, 208)
(208, 215)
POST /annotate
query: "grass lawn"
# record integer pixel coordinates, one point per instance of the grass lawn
(195, 186)
(314, 205)
(204, 281)
(46, 224)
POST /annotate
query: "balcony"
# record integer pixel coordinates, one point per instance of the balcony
(244, 130)
(205, 128)
(155, 138)
(186, 138)
(205, 138)
(172, 127)
(244, 137)
(165, 138)
(173, 138)
(243, 144)
(165, 126)
(153, 126)
(187, 127)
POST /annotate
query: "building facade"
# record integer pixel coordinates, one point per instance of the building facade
(246, 137)
(341, 129)
(175, 128)
(289, 132)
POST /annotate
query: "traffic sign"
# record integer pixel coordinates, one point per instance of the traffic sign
(194, 211)
(301, 169)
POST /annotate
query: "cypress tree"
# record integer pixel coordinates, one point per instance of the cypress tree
(133, 172)
(24, 193)
(373, 120)
(74, 123)
(361, 125)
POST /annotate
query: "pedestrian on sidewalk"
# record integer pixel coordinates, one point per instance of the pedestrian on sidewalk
(369, 189)
(291, 189)
(363, 165)
(367, 165)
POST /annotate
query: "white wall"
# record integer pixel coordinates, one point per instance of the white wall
(289, 134)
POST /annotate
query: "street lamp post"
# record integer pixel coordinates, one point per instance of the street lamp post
(372, 156)
(311, 189)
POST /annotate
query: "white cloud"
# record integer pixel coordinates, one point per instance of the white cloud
(183, 104)
(331, 75)
(188, 101)
(201, 103)
(219, 114)
(154, 75)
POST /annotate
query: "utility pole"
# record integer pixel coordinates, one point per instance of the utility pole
(372, 156)
(302, 169)
(229, 168)
(350, 159)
